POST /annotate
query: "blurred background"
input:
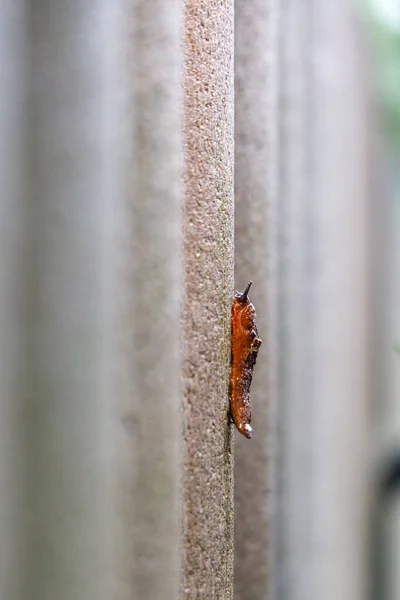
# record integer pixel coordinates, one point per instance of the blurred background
(155, 156)
(383, 28)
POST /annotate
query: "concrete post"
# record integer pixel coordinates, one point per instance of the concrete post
(208, 282)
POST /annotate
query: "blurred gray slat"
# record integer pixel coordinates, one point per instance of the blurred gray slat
(106, 301)
(322, 309)
(13, 274)
(153, 412)
(255, 125)
(75, 196)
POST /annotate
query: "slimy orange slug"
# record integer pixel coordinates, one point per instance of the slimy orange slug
(245, 346)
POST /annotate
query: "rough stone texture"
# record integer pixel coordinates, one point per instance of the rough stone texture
(208, 273)
(253, 173)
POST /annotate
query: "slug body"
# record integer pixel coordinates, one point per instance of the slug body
(245, 346)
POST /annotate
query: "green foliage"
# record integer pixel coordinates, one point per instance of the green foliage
(386, 46)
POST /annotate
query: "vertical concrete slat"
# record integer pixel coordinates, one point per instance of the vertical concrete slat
(78, 189)
(343, 269)
(289, 225)
(13, 300)
(323, 314)
(152, 414)
(208, 282)
(255, 132)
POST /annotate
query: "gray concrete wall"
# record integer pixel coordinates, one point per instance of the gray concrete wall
(116, 281)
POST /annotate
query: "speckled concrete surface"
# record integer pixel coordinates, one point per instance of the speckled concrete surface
(208, 274)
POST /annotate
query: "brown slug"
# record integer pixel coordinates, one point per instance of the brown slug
(245, 346)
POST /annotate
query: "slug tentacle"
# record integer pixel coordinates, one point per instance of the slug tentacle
(243, 296)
